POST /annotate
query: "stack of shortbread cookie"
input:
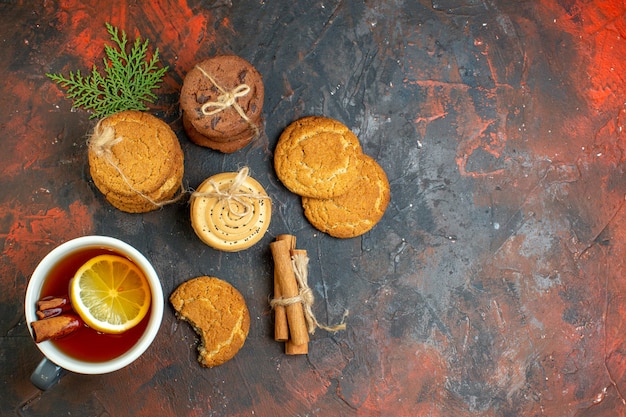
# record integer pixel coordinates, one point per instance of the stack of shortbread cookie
(136, 161)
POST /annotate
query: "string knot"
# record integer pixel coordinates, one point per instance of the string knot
(227, 99)
(306, 296)
(103, 140)
(299, 263)
(232, 196)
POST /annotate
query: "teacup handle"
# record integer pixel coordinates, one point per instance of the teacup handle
(46, 374)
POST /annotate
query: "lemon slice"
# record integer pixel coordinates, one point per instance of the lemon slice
(110, 294)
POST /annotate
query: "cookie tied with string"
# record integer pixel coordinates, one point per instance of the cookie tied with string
(136, 161)
(230, 211)
(222, 103)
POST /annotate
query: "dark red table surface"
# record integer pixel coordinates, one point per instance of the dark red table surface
(494, 284)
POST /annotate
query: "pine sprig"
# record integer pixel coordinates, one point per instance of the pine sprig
(129, 81)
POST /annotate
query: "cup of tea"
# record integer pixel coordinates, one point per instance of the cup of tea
(85, 350)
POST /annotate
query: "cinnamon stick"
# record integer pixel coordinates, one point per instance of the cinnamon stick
(290, 347)
(281, 329)
(52, 302)
(289, 288)
(53, 306)
(55, 327)
(293, 349)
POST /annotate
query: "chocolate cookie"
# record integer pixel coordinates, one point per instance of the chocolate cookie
(218, 313)
(222, 97)
(234, 144)
(358, 210)
(135, 160)
(317, 157)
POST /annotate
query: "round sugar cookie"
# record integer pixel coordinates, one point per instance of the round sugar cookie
(230, 211)
(317, 157)
(355, 212)
(217, 312)
(135, 160)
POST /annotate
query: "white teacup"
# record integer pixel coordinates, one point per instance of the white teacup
(55, 361)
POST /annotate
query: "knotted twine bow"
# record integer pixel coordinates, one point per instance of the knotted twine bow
(227, 99)
(232, 195)
(101, 143)
(300, 265)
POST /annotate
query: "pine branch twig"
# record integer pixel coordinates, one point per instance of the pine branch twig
(128, 83)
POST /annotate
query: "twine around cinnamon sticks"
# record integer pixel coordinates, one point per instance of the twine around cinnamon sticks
(293, 300)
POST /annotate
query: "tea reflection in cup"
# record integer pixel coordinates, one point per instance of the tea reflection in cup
(57, 361)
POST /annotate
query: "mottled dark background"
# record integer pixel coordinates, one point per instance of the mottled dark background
(494, 284)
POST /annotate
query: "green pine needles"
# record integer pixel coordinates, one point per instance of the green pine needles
(129, 81)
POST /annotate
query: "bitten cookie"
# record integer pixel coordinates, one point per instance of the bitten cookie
(317, 157)
(230, 211)
(358, 210)
(218, 313)
(222, 97)
(135, 160)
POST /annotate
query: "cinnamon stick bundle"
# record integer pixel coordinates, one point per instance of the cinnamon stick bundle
(56, 319)
(293, 299)
(53, 306)
(289, 288)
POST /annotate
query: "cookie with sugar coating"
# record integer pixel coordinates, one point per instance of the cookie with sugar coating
(135, 160)
(358, 210)
(318, 157)
(218, 313)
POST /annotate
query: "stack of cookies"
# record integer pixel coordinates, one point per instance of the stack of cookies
(222, 101)
(344, 192)
(136, 161)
